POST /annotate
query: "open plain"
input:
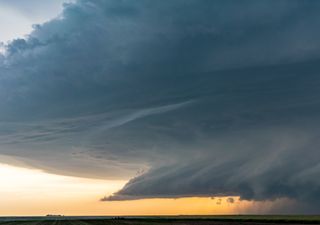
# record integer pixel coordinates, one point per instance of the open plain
(179, 220)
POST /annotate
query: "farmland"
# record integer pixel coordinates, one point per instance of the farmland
(172, 220)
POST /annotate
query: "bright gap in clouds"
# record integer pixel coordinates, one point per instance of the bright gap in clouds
(12, 24)
(34, 192)
(17, 17)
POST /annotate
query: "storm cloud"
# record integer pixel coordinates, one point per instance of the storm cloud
(183, 97)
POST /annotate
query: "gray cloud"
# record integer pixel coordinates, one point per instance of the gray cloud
(206, 98)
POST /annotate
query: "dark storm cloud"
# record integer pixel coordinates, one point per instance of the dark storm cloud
(192, 98)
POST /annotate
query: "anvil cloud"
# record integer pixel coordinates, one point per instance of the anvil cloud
(186, 97)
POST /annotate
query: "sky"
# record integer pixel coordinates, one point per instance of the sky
(18, 17)
(211, 107)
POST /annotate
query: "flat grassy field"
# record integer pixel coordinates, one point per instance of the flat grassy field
(172, 220)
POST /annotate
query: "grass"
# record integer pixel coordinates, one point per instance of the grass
(157, 220)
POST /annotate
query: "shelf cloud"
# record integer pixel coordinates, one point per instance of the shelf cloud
(183, 97)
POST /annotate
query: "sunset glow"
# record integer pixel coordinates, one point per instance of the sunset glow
(34, 192)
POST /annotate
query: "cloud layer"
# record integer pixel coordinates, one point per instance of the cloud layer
(192, 98)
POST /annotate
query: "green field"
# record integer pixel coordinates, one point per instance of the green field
(172, 220)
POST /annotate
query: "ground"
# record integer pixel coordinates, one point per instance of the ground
(179, 220)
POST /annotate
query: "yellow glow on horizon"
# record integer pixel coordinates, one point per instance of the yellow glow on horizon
(35, 192)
